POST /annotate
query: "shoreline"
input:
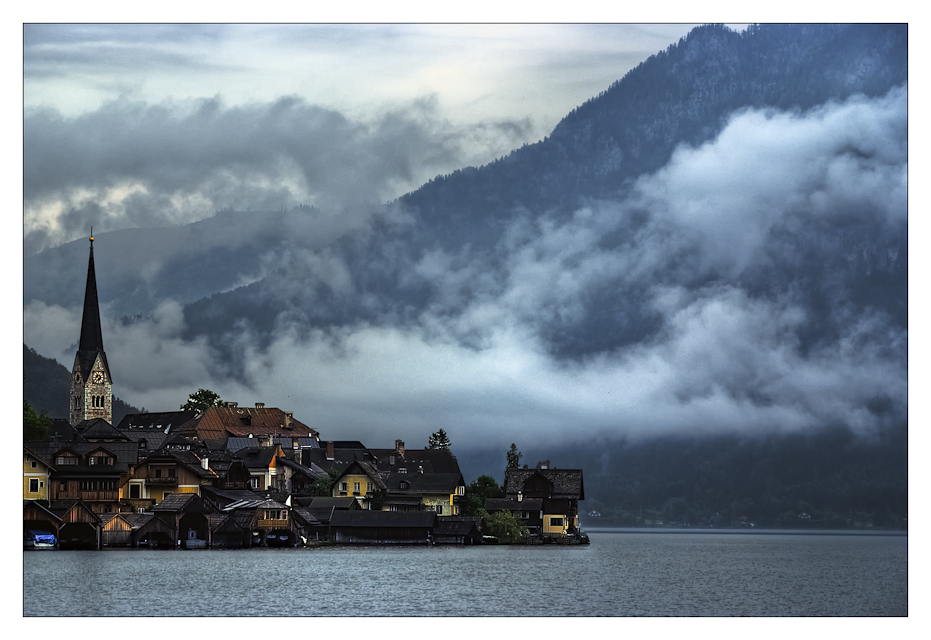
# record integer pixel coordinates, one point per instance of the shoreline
(783, 532)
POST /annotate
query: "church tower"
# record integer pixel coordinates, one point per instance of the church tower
(91, 385)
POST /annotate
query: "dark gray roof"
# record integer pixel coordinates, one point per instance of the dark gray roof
(302, 514)
(257, 457)
(223, 497)
(189, 459)
(383, 519)
(423, 482)
(432, 460)
(287, 442)
(328, 502)
(180, 502)
(125, 454)
(137, 520)
(456, 527)
(99, 429)
(567, 483)
(313, 471)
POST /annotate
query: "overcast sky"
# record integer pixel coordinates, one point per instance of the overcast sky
(142, 125)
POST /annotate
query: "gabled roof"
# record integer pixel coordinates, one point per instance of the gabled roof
(304, 516)
(188, 459)
(258, 457)
(62, 507)
(62, 431)
(313, 471)
(219, 423)
(126, 454)
(99, 429)
(39, 458)
(176, 502)
(365, 468)
(32, 505)
(567, 483)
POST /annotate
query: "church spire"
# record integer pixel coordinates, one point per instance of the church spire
(91, 333)
(91, 386)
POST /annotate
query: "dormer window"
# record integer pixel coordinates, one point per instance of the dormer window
(66, 459)
(101, 459)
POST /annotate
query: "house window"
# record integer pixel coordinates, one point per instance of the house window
(158, 473)
(33, 464)
(87, 485)
(254, 483)
(135, 491)
(33, 485)
(344, 486)
(65, 460)
(556, 522)
(355, 487)
(101, 460)
(439, 509)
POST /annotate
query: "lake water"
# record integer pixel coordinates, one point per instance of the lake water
(619, 574)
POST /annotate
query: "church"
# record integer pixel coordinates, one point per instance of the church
(91, 384)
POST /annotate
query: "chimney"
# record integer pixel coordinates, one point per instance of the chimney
(399, 447)
(298, 456)
(329, 450)
(205, 463)
(287, 419)
(232, 405)
(259, 405)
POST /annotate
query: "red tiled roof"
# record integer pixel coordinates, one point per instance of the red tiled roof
(219, 423)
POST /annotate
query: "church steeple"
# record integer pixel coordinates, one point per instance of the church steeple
(91, 333)
(91, 385)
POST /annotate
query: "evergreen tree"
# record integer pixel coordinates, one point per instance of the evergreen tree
(514, 457)
(439, 440)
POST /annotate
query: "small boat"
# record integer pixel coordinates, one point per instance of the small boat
(34, 539)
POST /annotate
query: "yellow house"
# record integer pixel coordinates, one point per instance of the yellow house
(360, 481)
(166, 472)
(35, 476)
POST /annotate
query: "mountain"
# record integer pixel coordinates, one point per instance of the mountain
(46, 387)
(752, 183)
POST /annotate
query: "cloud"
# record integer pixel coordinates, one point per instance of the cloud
(838, 161)
(134, 164)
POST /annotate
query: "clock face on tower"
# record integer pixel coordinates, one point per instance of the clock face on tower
(98, 377)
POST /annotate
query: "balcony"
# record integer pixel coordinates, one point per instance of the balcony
(90, 496)
(272, 522)
(161, 482)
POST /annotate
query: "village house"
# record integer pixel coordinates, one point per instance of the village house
(560, 491)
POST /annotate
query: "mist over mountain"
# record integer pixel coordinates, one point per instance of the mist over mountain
(715, 245)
